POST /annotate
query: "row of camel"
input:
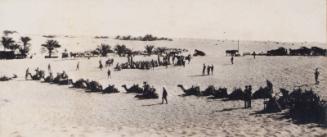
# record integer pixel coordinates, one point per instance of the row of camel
(236, 94)
(94, 86)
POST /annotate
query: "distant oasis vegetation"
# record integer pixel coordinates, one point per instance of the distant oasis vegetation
(147, 37)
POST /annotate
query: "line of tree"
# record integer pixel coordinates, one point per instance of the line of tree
(302, 51)
(147, 37)
(9, 43)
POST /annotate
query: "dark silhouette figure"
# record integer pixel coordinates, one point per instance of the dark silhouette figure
(49, 67)
(212, 67)
(247, 96)
(317, 76)
(232, 59)
(204, 69)
(164, 95)
(100, 64)
(27, 73)
(77, 66)
(208, 69)
(253, 54)
(109, 73)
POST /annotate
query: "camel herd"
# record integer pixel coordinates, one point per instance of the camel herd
(94, 86)
(301, 105)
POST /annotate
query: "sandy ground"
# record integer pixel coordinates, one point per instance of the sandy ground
(32, 108)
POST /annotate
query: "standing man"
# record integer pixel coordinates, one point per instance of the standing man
(232, 59)
(164, 95)
(27, 73)
(100, 65)
(208, 69)
(49, 67)
(253, 54)
(204, 69)
(212, 69)
(109, 73)
(317, 76)
(77, 66)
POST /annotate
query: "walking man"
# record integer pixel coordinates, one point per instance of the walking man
(164, 95)
(317, 76)
(204, 69)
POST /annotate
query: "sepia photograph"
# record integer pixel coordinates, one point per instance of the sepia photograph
(163, 68)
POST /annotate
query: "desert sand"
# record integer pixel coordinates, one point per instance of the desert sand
(32, 108)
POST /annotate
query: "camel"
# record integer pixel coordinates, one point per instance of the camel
(198, 53)
(94, 86)
(149, 94)
(6, 78)
(265, 92)
(191, 91)
(220, 93)
(81, 83)
(110, 89)
(133, 89)
(209, 91)
(237, 94)
(38, 76)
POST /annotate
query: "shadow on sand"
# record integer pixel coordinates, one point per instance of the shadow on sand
(155, 104)
(199, 75)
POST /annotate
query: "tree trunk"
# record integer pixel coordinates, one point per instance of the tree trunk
(50, 52)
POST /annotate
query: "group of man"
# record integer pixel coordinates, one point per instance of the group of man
(208, 68)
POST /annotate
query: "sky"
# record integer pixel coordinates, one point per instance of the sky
(279, 20)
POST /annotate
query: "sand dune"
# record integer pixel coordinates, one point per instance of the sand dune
(32, 108)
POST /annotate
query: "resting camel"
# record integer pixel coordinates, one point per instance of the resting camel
(94, 87)
(191, 91)
(5, 78)
(220, 93)
(38, 76)
(110, 89)
(148, 94)
(81, 83)
(209, 91)
(265, 92)
(237, 94)
(133, 89)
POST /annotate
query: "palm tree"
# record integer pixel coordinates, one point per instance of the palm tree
(104, 49)
(7, 42)
(50, 45)
(25, 49)
(121, 49)
(149, 49)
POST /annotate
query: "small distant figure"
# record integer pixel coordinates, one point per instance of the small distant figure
(164, 95)
(212, 67)
(100, 65)
(317, 76)
(232, 59)
(208, 69)
(77, 66)
(253, 54)
(204, 69)
(49, 67)
(27, 73)
(109, 73)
